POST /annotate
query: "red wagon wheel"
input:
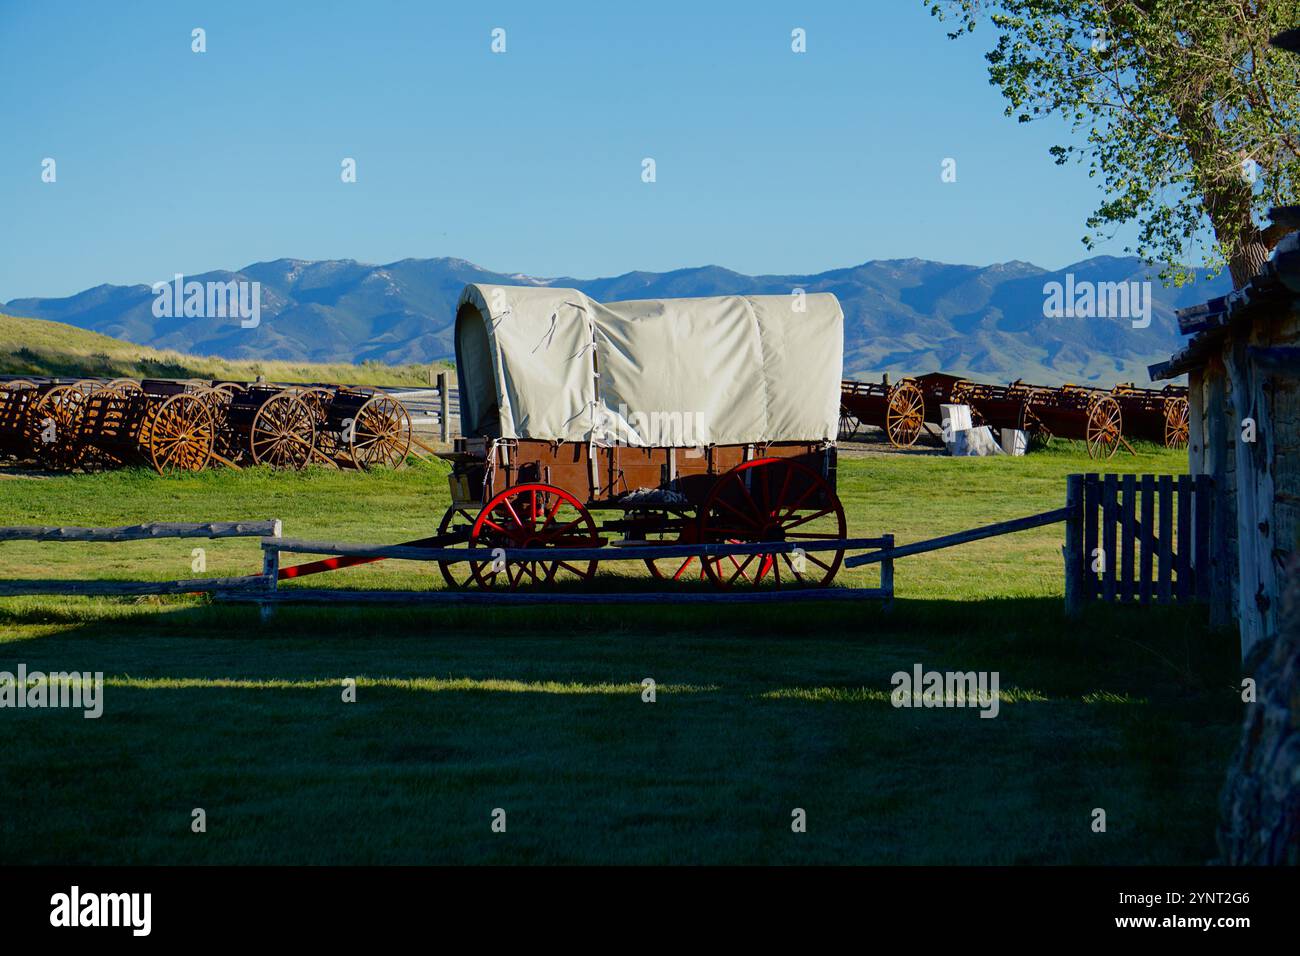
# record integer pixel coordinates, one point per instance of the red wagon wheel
(676, 569)
(1177, 427)
(1105, 426)
(179, 434)
(905, 416)
(283, 433)
(462, 574)
(533, 516)
(773, 499)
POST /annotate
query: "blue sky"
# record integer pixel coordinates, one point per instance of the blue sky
(530, 161)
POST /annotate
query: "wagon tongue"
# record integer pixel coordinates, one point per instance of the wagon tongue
(349, 560)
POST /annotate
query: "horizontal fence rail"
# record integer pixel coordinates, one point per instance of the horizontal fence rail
(961, 537)
(106, 588)
(513, 555)
(145, 532)
(154, 531)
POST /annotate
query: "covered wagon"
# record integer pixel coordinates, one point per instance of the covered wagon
(671, 420)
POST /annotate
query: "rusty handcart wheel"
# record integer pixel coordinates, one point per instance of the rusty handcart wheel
(906, 415)
(776, 500)
(1177, 423)
(17, 398)
(380, 433)
(317, 398)
(53, 424)
(179, 434)
(124, 386)
(229, 447)
(533, 516)
(1105, 426)
(283, 433)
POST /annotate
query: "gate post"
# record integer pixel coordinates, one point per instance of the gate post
(444, 407)
(1073, 550)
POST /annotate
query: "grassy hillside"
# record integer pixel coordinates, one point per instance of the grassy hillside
(39, 347)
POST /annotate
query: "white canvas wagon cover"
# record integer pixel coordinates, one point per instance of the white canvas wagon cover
(552, 364)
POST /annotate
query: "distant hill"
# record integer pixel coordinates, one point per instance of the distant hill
(39, 347)
(901, 315)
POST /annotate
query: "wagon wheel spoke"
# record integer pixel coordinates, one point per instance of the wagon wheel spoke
(558, 531)
(677, 575)
(809, 556)
(749, 519)
(740, 568)
(802, 498)
(514, 515)
(748, 497)
(804, 520)
(788, 517)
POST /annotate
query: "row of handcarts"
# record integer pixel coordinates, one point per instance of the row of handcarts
(1104, 419)
(187, 425)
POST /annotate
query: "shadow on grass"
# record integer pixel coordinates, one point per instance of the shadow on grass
(541, 711)
(1128, 652)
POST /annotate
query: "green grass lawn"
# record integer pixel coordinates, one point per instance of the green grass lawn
(538, 711)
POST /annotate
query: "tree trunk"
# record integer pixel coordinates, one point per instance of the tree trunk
(1260, 812)
(1247, 259)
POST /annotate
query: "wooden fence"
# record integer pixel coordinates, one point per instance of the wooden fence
(266, 530)
(1131, 538)
(263, 588)
(1137, 539)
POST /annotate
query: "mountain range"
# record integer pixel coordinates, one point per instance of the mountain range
(902, 316)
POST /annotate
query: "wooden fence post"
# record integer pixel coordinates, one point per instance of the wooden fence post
(1074, 597)
(444, 406)
(887, 572)
(271, 572)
